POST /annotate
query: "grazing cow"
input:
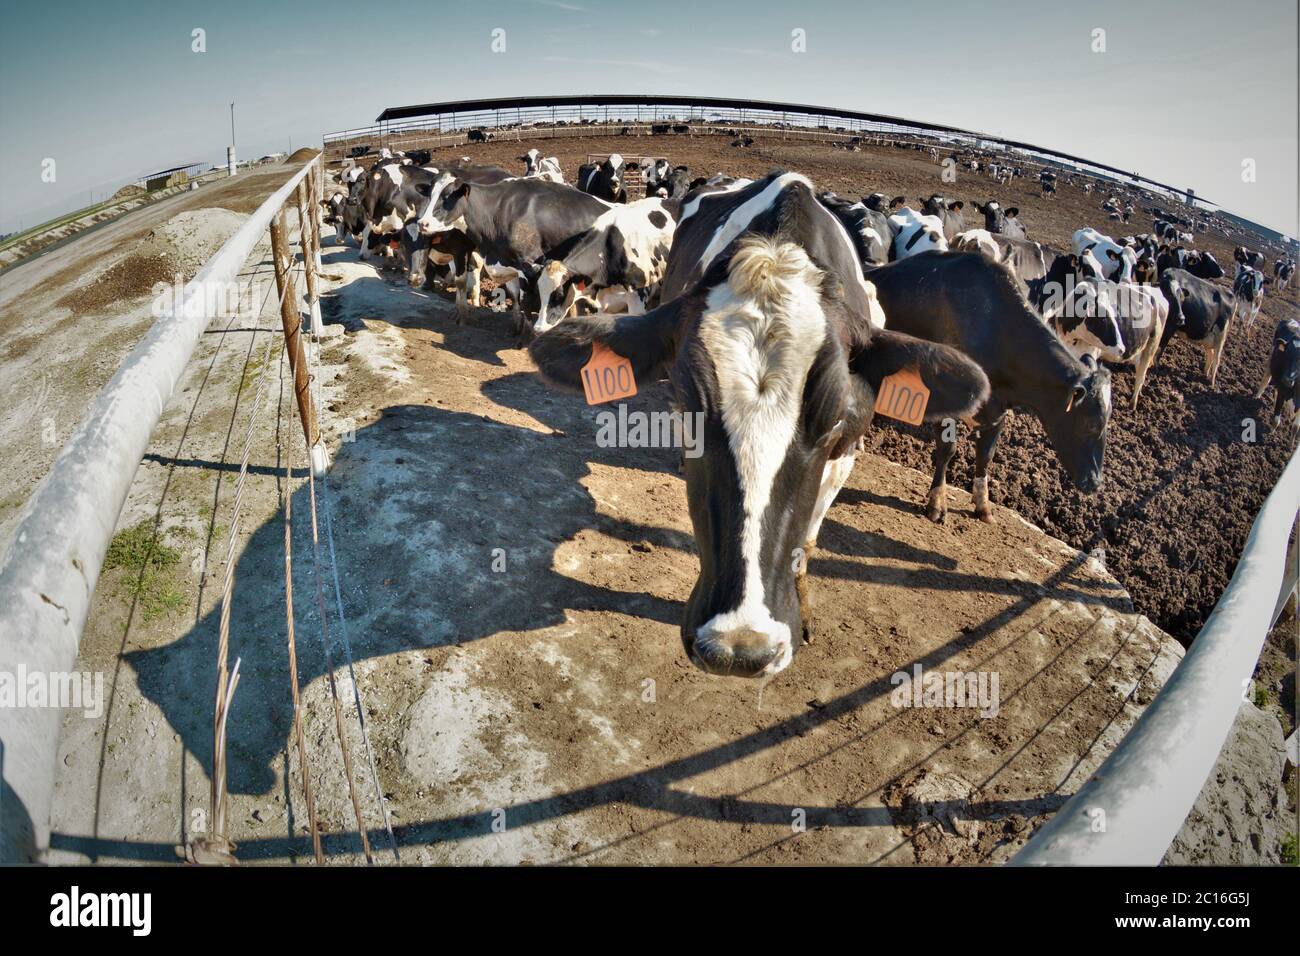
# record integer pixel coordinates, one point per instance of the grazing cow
(1165, 231)
(344, 215)
(394, 194)
(479, 136)
(1086, 319)
(1116, 261)
(1139, 314)
(626, 246)
(538, 166)
(1000, 222)
(1247, 259)
(949, 213)
(914, 233)
(490, 215)
(1283, 270)
(1203, 266)
(450, 249)
(868, 228)
(1284, 372)
(963, 300)
(1202, 311)
(1248, 287)
(766, 333)
(603, 180)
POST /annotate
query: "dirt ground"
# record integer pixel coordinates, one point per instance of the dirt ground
(511, 593)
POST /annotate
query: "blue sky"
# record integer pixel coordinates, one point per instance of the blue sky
(1185, 91)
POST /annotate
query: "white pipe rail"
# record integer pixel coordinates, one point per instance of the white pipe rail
(50, 570)
(1131, 809)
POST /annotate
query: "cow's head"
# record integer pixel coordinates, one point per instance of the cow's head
(757, 357)
(1087, 321)
(446, 205)
(1077, 426)
(557, 288)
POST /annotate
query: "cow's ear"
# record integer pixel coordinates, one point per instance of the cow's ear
(897, 201)
(649, 341)
(958, 387)
(1113, 254)
(1013, 212)
(424, 189)
(956, 206)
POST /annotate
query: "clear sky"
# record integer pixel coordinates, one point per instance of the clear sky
(1184, 92)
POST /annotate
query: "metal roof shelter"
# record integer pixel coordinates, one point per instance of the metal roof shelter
(400, 113)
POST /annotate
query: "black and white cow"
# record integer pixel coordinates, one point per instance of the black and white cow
(1116, 261)
(626, 246)
(450, 250)
(1247, 259)
(767, 333)
(655, 177)
(1203, 265)
(538, 166)
(1134, 314)
(1284, 372)
(1001, 222)
(868, 228)
(603, 180)
(915, 233)
(394, 195)
(949, 213)
(490, 215)
(1202, 311)
(963, 300)
(1248, 287)
(1283, 270)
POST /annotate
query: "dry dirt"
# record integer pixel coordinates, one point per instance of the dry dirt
(512, 593)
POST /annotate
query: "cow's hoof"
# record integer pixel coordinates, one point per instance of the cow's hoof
(809, 632)
(936, 504)
(985, 514)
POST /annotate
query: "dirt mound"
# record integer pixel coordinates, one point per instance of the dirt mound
(128, 279)
(129, 191)
(301, 155)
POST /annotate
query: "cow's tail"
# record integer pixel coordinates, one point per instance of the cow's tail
(769, 271)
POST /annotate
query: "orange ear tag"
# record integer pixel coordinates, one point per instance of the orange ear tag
(607, 376)
(903, 396)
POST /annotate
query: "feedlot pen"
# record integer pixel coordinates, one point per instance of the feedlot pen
(513, 592)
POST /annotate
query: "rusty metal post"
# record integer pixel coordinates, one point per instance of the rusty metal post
(292, 324)
(305, 222)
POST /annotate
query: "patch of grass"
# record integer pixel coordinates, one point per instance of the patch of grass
(1261, 697)
(148, 564)
(1290, 850)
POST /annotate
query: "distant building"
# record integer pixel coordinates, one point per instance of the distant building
(166, 178)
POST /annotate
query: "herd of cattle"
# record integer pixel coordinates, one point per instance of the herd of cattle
(777, 311)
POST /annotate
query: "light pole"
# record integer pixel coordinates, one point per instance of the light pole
(231, 166)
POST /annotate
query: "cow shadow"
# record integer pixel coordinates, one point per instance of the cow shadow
(446, 527)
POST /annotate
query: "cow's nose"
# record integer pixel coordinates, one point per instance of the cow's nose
(744, 651)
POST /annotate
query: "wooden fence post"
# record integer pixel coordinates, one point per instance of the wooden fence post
(292, 324)
(306, 220)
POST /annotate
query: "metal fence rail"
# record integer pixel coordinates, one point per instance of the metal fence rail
(1131, 809)
(49, 572)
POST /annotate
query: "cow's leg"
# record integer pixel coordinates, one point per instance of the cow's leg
(835, 473)
(936, 502)
(1263, 386)
(365, 242)
(986, 443)
(1216, 352)
(468, 294)
(1140, 375)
